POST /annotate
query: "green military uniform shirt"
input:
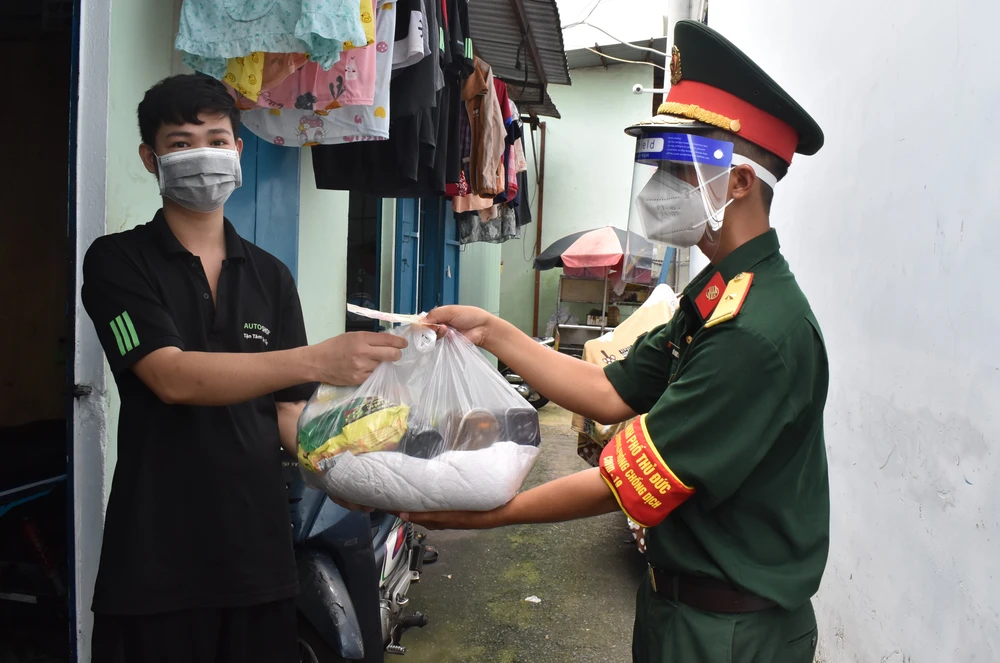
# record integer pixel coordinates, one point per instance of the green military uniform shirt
(735, 410)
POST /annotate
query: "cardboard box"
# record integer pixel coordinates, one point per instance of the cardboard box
(587, 291)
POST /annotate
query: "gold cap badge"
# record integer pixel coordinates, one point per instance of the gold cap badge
(675, 65)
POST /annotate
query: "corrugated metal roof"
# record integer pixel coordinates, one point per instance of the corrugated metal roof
(497, 38)
(582, 58)
(529, 104)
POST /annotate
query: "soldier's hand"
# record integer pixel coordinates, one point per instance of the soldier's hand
(474, 323)
(351, 506)
(453, 519)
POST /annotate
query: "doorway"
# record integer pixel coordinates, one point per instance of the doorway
(35, 259)
(364, 258)
(428, 254)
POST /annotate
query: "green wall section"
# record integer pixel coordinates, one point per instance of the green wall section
(588, 177)
(322, 278)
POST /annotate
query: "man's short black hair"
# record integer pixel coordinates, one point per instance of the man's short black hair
(179, 100)
(755, 152)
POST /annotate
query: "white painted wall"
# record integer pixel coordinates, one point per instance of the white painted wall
(90, 412)
(892, 230)
(643, 20)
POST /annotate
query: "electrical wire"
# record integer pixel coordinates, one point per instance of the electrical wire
(585, 18)
(611, 57)
(621, 41)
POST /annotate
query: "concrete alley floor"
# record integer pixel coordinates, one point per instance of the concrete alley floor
(585, 572)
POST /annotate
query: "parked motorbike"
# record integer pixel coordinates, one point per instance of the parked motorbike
(355, 571)
(526, 390)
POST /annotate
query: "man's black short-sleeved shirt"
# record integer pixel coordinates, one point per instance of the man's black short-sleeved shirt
(198, 512)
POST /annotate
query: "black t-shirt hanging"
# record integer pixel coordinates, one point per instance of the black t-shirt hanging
(461, 38)
(422, 152)
(415, 87)
(522, 208)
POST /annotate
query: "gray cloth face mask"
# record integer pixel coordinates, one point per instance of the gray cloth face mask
(201, 179)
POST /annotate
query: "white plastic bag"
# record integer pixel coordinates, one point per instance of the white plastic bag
(438, 430)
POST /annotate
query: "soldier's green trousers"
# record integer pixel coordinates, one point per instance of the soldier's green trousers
(670, 632)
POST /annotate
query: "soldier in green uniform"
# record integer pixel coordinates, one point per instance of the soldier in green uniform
(724, 459)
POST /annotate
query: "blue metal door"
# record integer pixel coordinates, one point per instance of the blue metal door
(452, 250)
(440, 251)
(265, 210)
(407, 255)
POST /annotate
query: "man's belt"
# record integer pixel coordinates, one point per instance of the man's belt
(706, 594)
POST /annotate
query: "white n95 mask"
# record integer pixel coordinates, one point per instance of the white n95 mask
(201, 179)
(672, 210)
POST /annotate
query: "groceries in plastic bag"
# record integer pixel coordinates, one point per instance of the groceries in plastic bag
(438, 430)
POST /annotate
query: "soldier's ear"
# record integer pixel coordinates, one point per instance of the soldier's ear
(741, 181)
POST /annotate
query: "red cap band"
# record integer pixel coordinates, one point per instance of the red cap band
(755, 125)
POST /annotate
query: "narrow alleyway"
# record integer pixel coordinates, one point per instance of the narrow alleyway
(584, 572)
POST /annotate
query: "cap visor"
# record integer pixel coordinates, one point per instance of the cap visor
(666, 123)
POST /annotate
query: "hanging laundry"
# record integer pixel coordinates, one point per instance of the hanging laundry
(420, 155)
(421, 115)
(472, 229)
(522, 211)
(279, 66)
(471, 203)
(460, 187)
(520, 163)
(504, 100)
(351, 82)
(462, 60)
(459, 64)
(412, 43)
(488, 131)
(245, 74)
(332, 123)
(511, 172)
(416, 87)
(513, 151)
(367, 8)
(212, 31)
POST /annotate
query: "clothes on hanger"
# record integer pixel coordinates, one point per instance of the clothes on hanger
(400, 107)
(488, 131)
(422, 153)
(411, 42)
(213, 31)
(471, 228)
(336, 124)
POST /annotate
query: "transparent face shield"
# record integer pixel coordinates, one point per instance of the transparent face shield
(680, 191)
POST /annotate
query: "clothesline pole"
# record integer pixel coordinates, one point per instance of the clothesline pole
(604, 302)
(538, 231)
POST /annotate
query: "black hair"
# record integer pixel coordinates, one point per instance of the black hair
(754, 152)
(179, 100)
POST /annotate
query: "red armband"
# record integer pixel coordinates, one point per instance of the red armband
(646, 488)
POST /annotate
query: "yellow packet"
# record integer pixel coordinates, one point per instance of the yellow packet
(379, 431)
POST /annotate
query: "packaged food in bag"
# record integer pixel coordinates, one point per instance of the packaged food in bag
(438, 430)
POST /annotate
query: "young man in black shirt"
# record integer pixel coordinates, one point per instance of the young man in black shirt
(205, 338)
